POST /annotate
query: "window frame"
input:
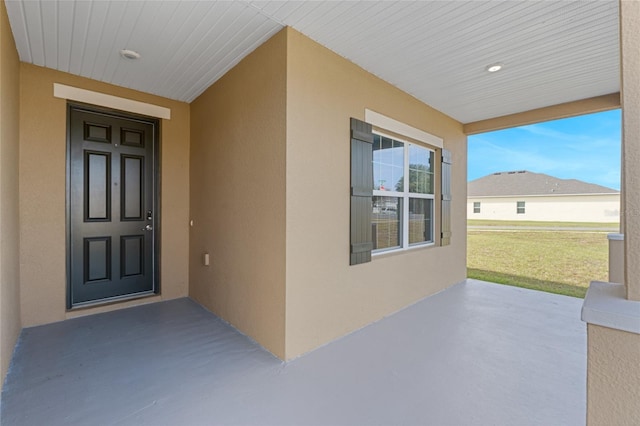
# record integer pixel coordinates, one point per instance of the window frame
(520, 207)
(405, 196)
(477, 206)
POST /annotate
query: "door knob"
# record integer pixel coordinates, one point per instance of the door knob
(148, 228)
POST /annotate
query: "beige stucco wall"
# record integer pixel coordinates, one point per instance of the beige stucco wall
(43, 133)
(238, 195)
(616, 258)
(613, 377)
(570, 208)
(326, 297)
(630, 52)
(10, 324)
(613, 370)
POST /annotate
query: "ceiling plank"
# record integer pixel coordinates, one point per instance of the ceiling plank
(553, 52)
(50, 33)
(95, 31)
(81, 21)
(64, 34)
(232, 53)
(33, 20)
(106, 49)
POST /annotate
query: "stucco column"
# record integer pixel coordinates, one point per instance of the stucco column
(612, 311)
(630, 99)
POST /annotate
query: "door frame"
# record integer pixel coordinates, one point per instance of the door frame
(156, 202)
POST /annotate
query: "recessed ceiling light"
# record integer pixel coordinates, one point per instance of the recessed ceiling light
(129, 54)
(494, 67)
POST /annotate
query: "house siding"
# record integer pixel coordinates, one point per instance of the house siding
(10, 322)
(43, 142)
(566, 208)
(326, 298)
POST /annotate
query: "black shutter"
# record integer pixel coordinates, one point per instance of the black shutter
(361, 191)
(445, 209)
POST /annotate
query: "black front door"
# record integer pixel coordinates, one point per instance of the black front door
(112, 206)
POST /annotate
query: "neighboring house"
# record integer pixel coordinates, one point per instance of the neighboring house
(524, 195)
(236, 159)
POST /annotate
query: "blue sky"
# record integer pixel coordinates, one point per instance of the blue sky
(585, 148)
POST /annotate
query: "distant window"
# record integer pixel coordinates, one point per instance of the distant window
(520, 207)
(476, 207)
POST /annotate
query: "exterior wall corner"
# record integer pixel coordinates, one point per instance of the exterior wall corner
(237, 201)
(10, 315)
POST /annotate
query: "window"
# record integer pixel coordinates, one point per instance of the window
(403, 194)
(396, 212)
(520, 208)
(476, 207)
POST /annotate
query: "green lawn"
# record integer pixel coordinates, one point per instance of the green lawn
(615, 226)
(558, 262)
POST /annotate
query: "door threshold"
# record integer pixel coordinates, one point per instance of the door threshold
(112, 300)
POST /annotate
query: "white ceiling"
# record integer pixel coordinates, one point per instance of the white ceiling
(553, 51)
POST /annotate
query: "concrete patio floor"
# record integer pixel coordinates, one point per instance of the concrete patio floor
(474, 354)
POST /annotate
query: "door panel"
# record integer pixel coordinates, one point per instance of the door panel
(112, 206)
(97, 259)
(132, 262)
(132, 187)
(97, 188)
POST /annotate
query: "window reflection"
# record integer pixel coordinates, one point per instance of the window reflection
(385, 224)
(403, 195)
(388, 164)
(420, 170)
(420, 229)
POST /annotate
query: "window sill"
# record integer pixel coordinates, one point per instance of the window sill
(395, 252)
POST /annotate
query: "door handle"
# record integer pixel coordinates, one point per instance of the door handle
(148, 228)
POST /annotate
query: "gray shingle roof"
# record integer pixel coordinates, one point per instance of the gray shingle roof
(523, 182)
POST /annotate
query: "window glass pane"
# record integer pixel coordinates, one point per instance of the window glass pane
(385, 225)
(520, 207)
(420, 223)
(476, 207)
(420, 170)
(377, 160)
(388, 164)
